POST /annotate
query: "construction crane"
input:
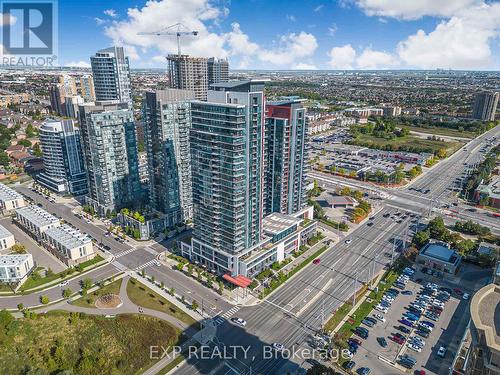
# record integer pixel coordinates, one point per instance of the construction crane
(178, 30)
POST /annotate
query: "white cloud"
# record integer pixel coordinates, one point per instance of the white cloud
(204, 17)
(414, 9)
(342, 57)
(157, 15)
(78, 64)
(290, 17)
(318, 8)
(7, 19)
(291, 47)
(239, 42)
(111, 13)
(462, 42)
(370, 59)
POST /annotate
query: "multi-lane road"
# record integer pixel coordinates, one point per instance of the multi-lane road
(293, 314)
(432, 191)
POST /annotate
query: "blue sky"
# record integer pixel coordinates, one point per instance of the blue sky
(279, 34)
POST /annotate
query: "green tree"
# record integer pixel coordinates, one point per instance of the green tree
(171, 291)
(421, 238)
(194, 305)
(67, 293)
(20, 306)
(18, 248)
(44, 299)
(87, 283)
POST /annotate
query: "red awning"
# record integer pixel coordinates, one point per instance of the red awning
(239, 280)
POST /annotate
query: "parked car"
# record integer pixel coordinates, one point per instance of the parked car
(382, 342)
(414, 347)
(422, 333)
(316, 261)
(349, 365)
(441, 351)
(403, 329)
(379, 317)
(407, 292)
(367, 323)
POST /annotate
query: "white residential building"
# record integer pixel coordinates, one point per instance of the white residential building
(15, 268)
(10, 199)
(6, 239)
(36, 220)
(69, 244)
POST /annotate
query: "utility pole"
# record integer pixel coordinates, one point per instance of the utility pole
(355, 289)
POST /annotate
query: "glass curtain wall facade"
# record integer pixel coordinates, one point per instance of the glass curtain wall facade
(64, 168)
(167, 122)
(227, 170)
(111, 73)
(285, 150)
(110, 149)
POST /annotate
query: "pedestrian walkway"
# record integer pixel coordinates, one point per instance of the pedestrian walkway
(229, 313)
(123, 253)
(218, 320)
(147, 264)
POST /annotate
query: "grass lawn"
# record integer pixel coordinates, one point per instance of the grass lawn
(141, 295)
(82, 344)
(89, 299)
(411, 141)
(440, 131)
(34, 281)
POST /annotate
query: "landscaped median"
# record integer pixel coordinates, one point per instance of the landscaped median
(281, 278)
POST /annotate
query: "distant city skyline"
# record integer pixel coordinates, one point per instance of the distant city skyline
(318, 34)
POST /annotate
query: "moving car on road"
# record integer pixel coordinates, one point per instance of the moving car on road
(239, 321)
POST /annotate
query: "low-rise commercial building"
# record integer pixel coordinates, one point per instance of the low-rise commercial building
(10, 199)
(489, 194)
(283, 235)
(36, 220)
(15, 268)
(438, 258)
(336, 201)
(6, 239)
(68, 244)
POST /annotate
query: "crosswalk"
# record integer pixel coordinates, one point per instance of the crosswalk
(150, 263)
(123, 253)
(229, 313)
(219, 319)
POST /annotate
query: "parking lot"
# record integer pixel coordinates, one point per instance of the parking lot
(447, 332)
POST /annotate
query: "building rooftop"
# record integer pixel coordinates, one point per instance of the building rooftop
(7, 194)
(4, 233)
(67, 236)
(276, 223)
(13, 260)
(339, 199)
(37, 215)
(492, 189)
(234, 84)
(440, 252)
(485, 313)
